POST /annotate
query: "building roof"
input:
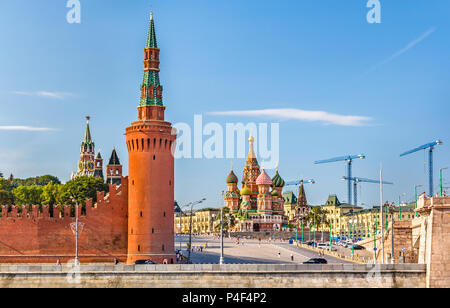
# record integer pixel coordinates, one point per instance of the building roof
(87, 135)
(232, 178)
(151, 37)
(151, 77)
(289, 198)
(114, 159)
(263, 179)
(277, 181)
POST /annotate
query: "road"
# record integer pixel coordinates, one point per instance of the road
(248, 252)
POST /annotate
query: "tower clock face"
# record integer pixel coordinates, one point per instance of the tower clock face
(90, 166)
(80, 166)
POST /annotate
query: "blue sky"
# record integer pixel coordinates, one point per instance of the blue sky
(230, 56)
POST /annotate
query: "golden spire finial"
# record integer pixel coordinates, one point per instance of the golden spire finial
(232, 166)
(151, 15)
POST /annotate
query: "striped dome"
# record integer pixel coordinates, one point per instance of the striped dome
(277, 181)
(232, 178)
(263, 179)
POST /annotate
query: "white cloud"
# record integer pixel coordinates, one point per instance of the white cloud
(403, 50)
(301, 115)
(26, 128)
(48, 94)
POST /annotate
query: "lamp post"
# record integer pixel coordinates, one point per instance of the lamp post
(400, 206)
(353, 222)
(221, 261)
(190, 227)
(375, 227)
(75, 229)
(415, 196)
(229, 224)
(440, 177)
(392, 211)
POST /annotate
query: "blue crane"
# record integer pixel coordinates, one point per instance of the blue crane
(357, 180)
(297, 183)
(429, 146)
(348, 159)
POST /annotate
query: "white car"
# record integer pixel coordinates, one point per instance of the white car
(326, 246)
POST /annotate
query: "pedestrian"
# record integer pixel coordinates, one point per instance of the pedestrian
(292, 257)
(116, 261)
(58, 262)
(279, 255)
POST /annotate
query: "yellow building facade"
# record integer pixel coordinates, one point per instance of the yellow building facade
(202, 221)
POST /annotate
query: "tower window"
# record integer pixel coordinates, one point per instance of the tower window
(163, 247)
(154, 157)
(139, 248)
(164, 214)
(141, 214)
(153, 231)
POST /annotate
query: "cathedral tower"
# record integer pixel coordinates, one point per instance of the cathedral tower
(151, 168)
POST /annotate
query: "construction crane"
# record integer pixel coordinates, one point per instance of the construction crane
(357, 180)
(429, 146)
(297, 183)
(348, 159)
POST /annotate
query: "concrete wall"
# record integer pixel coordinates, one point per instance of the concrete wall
(215, 276)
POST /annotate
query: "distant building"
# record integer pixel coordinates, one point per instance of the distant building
(202, 221)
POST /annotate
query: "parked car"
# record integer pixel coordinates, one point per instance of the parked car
(358, 247)
(326, 246)
(316, 261)
(142, 262)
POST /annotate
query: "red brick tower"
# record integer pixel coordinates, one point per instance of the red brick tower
(151, 169)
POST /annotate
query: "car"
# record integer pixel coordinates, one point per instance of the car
(316, 261)
(144, 262)
(326, 246)
(358, 247)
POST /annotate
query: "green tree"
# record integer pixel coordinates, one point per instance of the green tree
(50, 194)
(6, 185)
(228, 221)
(1, 175)
(6, 197)
(28, 195)
(81, 188)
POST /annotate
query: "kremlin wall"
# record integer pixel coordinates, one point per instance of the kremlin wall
(134, 221)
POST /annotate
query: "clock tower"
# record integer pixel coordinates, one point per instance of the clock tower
(86, 165)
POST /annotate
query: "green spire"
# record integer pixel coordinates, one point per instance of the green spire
(151, 76)
(151, 37)
(87, 135)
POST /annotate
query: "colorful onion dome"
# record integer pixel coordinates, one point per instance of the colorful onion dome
(274, 193)
(277, 181)
(232, 178)
(263, 179)
(246, 191)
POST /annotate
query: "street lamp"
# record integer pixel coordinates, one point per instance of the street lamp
(400, 206)
(75, 229)
(221, 261)
(440, 176)
(392, 211)
(415, 196)
(190, 227)
(353, 222)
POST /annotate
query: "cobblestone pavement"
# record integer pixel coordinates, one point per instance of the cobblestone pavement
(248, 251)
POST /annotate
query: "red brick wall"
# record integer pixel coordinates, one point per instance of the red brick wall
(33, 237)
